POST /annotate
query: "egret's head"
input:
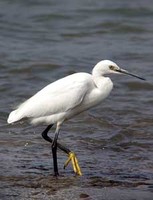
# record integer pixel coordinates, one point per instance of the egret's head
(105, 67)
(108, 67)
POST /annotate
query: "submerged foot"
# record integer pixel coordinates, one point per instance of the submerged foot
(56, 174)
(72, 158)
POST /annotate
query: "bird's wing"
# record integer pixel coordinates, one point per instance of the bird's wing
(57, 97)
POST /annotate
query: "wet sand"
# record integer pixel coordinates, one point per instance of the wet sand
(61, 188)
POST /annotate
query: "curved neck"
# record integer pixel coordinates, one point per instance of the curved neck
(98, 79)
(97, 72)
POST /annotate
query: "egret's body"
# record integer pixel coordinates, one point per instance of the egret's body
(67, 97)
(63, 99)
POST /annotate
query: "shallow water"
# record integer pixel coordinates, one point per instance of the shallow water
(41, 41)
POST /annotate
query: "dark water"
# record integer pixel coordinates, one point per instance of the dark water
(41, 41)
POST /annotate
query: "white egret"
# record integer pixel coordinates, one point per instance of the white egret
(65, 98)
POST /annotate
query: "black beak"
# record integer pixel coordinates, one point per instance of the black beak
(128, 73)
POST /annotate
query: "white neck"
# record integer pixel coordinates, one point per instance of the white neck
(96, 72)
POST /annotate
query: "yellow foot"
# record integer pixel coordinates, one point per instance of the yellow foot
(75, 164)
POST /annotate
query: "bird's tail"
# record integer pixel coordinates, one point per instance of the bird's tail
(14, 116)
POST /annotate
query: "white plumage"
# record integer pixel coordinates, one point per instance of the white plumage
(68, 96)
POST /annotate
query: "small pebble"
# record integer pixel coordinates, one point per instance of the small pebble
(82, 196)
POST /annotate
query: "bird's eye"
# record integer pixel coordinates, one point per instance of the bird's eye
(111, 67)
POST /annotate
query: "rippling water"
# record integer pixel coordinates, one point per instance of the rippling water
(41, 41)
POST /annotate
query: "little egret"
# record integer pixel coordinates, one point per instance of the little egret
(64, 99)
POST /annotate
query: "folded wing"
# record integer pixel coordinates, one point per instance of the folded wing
(57, 97)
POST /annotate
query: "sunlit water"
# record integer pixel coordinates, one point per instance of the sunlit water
(41, 41)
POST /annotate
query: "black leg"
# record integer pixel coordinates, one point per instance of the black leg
(47, 138)
(45, 132)
(54, 147)
(54, 152)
